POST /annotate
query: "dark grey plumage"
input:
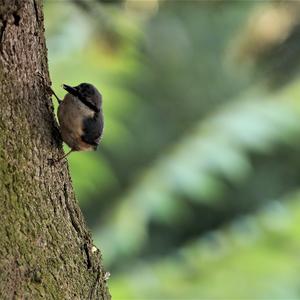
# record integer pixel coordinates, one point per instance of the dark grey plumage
(93, 128)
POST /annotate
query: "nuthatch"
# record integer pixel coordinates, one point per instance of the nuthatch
(80, 117)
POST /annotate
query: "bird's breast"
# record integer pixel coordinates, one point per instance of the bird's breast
(71, 114)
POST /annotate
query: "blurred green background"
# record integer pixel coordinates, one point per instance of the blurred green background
(194, 192)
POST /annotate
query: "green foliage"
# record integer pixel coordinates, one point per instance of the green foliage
(181, 193)
(216, 152)
(254, 257)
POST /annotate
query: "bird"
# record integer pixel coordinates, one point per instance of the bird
(80, 117)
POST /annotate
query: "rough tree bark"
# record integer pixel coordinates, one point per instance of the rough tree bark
(45, 249)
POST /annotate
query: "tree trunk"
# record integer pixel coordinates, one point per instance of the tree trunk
(46, 251)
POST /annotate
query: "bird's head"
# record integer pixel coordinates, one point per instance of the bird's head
(87, 93)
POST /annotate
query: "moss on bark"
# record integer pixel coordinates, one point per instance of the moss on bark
(46, 250)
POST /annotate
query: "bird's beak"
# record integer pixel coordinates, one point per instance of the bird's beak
(70, 89)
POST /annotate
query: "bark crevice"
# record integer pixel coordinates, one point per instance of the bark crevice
(17, 18)
(3, 24)
(36, 11)
(74, 220)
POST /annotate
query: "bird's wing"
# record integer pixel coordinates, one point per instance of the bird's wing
(92, 129)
